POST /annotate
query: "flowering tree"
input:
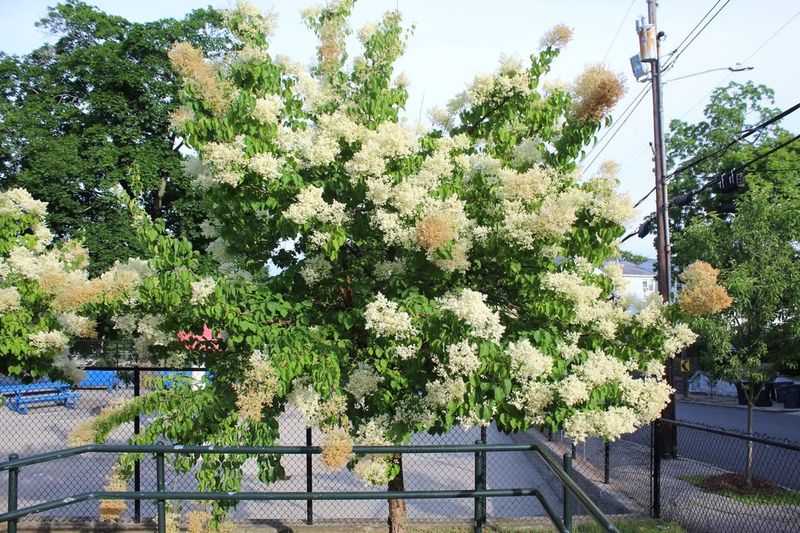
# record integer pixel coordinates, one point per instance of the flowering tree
(44, 291)
(386, 279)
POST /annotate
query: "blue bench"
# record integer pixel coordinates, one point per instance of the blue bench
(100, 379)
(18, 397)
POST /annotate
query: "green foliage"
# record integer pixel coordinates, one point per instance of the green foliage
(89, 115)
(755, 248)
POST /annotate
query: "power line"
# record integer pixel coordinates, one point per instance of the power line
(742, 62)
(669, 63)
(718, 152)
(619, 29)
(757, 50)
(644, 226)
(677, 52)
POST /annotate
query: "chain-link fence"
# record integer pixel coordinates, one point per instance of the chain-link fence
(706, 487)
(46, 427)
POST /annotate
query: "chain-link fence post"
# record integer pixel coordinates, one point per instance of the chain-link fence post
(657, 469)
(607, 462)
(567, 494)
(162, 507)
(480, 484)
(137, 474)
(12, 493)
(309, 480)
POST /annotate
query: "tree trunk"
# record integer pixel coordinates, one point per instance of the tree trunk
(748, 474)
(398, 517)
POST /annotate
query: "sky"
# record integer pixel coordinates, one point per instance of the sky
(454, 40)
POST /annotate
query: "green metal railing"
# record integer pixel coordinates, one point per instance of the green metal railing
(161, 496)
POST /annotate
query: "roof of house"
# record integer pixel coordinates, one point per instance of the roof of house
(632, 269)
(649, 265)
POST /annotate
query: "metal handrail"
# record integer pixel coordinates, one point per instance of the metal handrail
(571, 489)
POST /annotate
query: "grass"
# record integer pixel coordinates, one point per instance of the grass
(624, 526)
(787, 497)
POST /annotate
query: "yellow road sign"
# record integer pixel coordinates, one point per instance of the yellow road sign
(686, 365)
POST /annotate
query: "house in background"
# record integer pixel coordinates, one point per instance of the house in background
(641, 280)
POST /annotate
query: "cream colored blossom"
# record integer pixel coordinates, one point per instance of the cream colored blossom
(266, 165)
(527, 362)
(462, 360)
(9, 299)
(306, 400)
(362, 381)
(385, 320)
(372, 470)
(202, 289)
(600, 368)
(337, 448)
(268, 109)
(315, 269)
(470, 306)
(533, 399)
(310, 205)
(46, 341)
(77, 325)
(572, 390)
(18, 200)
(439, 394)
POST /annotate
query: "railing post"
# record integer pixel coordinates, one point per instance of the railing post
(162, 509)
(480, 484)
(657, 469)
(137, 473)
(12, 493)
(309, 481)
(607, 465)
(567, 494)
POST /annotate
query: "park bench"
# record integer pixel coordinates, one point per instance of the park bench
(101, 379)
(18, 397)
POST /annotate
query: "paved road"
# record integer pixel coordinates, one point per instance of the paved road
(776, 425)
(774, 463)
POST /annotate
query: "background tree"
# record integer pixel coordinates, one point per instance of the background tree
(753, 244)
(89, 116)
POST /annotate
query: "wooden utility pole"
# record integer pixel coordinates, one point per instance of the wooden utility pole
(649, 38)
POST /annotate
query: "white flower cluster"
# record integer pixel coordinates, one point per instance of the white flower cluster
(202, 289)
(227, 160)
(462, 360)
(552, 220)
(388, 269)
(150, 334)
(69, 368)
(608, 424)
(647, 397)
(9, 299)
(527, 362)
(362, 381)
(266, 165)
(470, 306)
(373, 469)
(383, 318)
(306, 400)
(77, 325)
(607, 203)
(315, 269)
(406, 352)
(45, 341)
(530, 186)
(389, 140)
(310, 205)
(439, 393)
(590, 309)
(678, 337)
(601, 368)
(572, 390)
(17, 201)
(532, 399)
(268, 109)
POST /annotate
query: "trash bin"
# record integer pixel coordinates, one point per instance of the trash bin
(791, 396)
(763, 397)
(740, 393)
